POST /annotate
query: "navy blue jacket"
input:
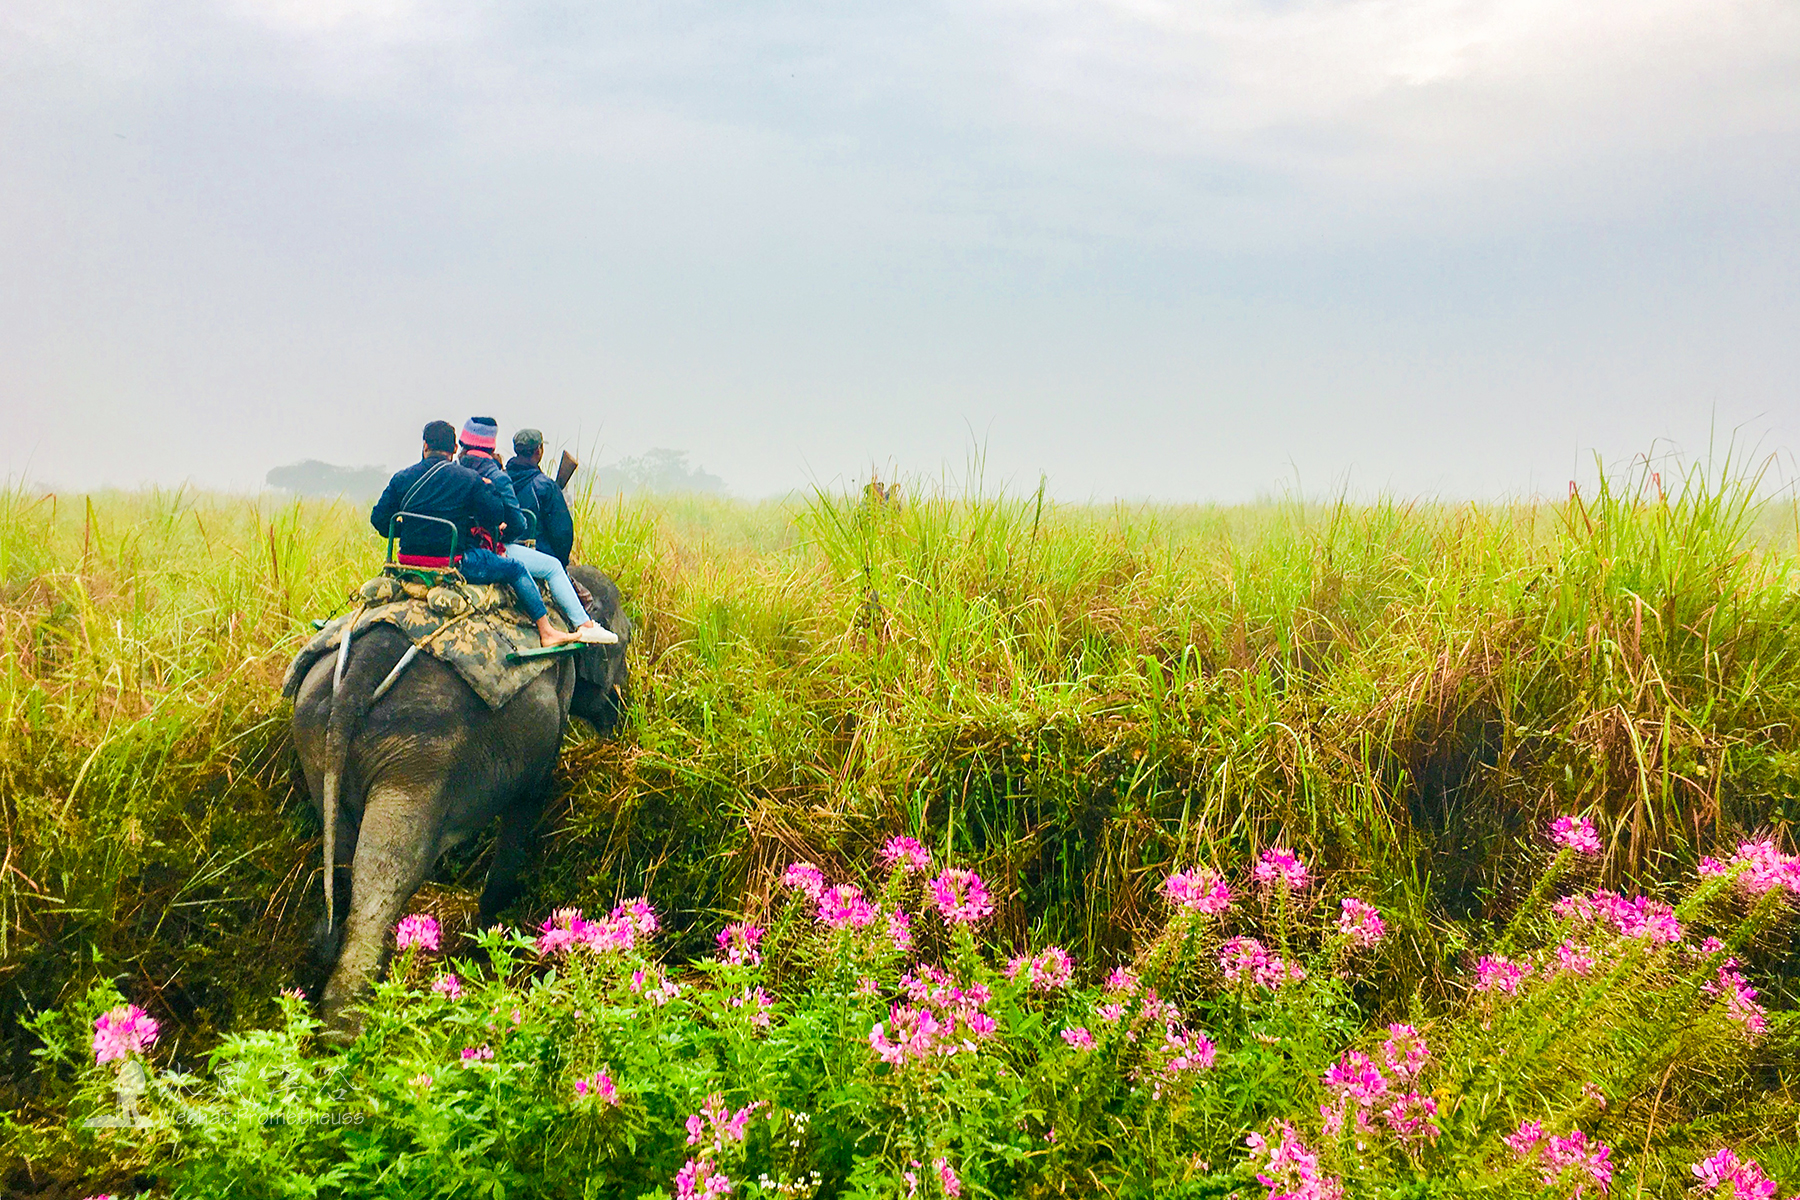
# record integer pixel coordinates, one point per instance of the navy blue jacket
(448, 490)
(491, 470)
(539, 495)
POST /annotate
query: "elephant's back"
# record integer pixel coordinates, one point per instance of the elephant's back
(430, 731)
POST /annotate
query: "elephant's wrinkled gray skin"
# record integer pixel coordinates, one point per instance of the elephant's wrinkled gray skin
(429, 766)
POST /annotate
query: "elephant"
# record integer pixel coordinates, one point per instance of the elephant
(429, 765)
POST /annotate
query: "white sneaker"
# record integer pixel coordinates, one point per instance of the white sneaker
(596, 634)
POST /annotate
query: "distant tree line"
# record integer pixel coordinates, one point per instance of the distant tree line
(658, 470)
(315, 478)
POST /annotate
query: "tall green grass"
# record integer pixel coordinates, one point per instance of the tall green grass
(1073, 697)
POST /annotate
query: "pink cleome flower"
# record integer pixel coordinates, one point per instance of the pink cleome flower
(1576, 908)
(759, 1004)
(416, 930)
(1356, 1078)
(1410, 1116)
(697, 1180)
(899, 928)
(1405, 1051)
(1047, 972)
(845, 908)
(960, 896)
(1288, 1169)
(600, 1086)
(1744, 1175)
(638, 915)
(1497, 973)
(1052, 969)
(1740, 999)
(1121, 979)
(806, 878)
(1575, 958)
(123, 1031)
(1721, 1168)
(1187, 1050)
(1573, 1153)
(659, 993)
(567, 929)
(1641, 917)
(719, 1122)
(904, 854)
(1637, 917)
(1279, 865)
(561, 930)
(1523, 1141)
(908, 1033)
(1241, 955)
(1200, 890)
(1577, 833)
(1079, 1037)
(944, 1018)
(1361, 922)
(1764, 868)
(448, 986)
(477, 1054)
(739, 942)
(947, 1177)
(1577, 1155)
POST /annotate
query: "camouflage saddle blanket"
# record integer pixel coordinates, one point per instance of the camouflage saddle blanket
(471, 628)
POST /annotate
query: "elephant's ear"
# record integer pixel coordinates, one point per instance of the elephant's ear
(603, 666)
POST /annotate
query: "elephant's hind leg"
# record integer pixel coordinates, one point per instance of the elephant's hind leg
(394, 853)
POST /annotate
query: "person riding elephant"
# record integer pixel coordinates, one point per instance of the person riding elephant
(538, 496)
(478, 438)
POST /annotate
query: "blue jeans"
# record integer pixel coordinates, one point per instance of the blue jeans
(484, 566)
(546, 567)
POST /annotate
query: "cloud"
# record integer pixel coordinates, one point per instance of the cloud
(1384, 98)
(384, 20)
(1404, 93)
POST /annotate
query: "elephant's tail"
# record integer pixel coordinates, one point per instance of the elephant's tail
(347, 709)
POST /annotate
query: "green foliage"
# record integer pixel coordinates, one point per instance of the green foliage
(824, 1056)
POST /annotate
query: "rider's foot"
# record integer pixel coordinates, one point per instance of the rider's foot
(595, 634)
(550, 635)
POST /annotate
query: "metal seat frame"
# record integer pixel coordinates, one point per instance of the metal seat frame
(429, 576)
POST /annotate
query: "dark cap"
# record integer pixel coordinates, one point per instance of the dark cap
(528, 441)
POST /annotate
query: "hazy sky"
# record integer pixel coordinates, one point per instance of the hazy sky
(1189, 250)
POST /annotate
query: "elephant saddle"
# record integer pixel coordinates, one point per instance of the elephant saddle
(472, 628)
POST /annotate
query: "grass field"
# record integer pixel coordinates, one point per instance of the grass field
(1071, 698)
